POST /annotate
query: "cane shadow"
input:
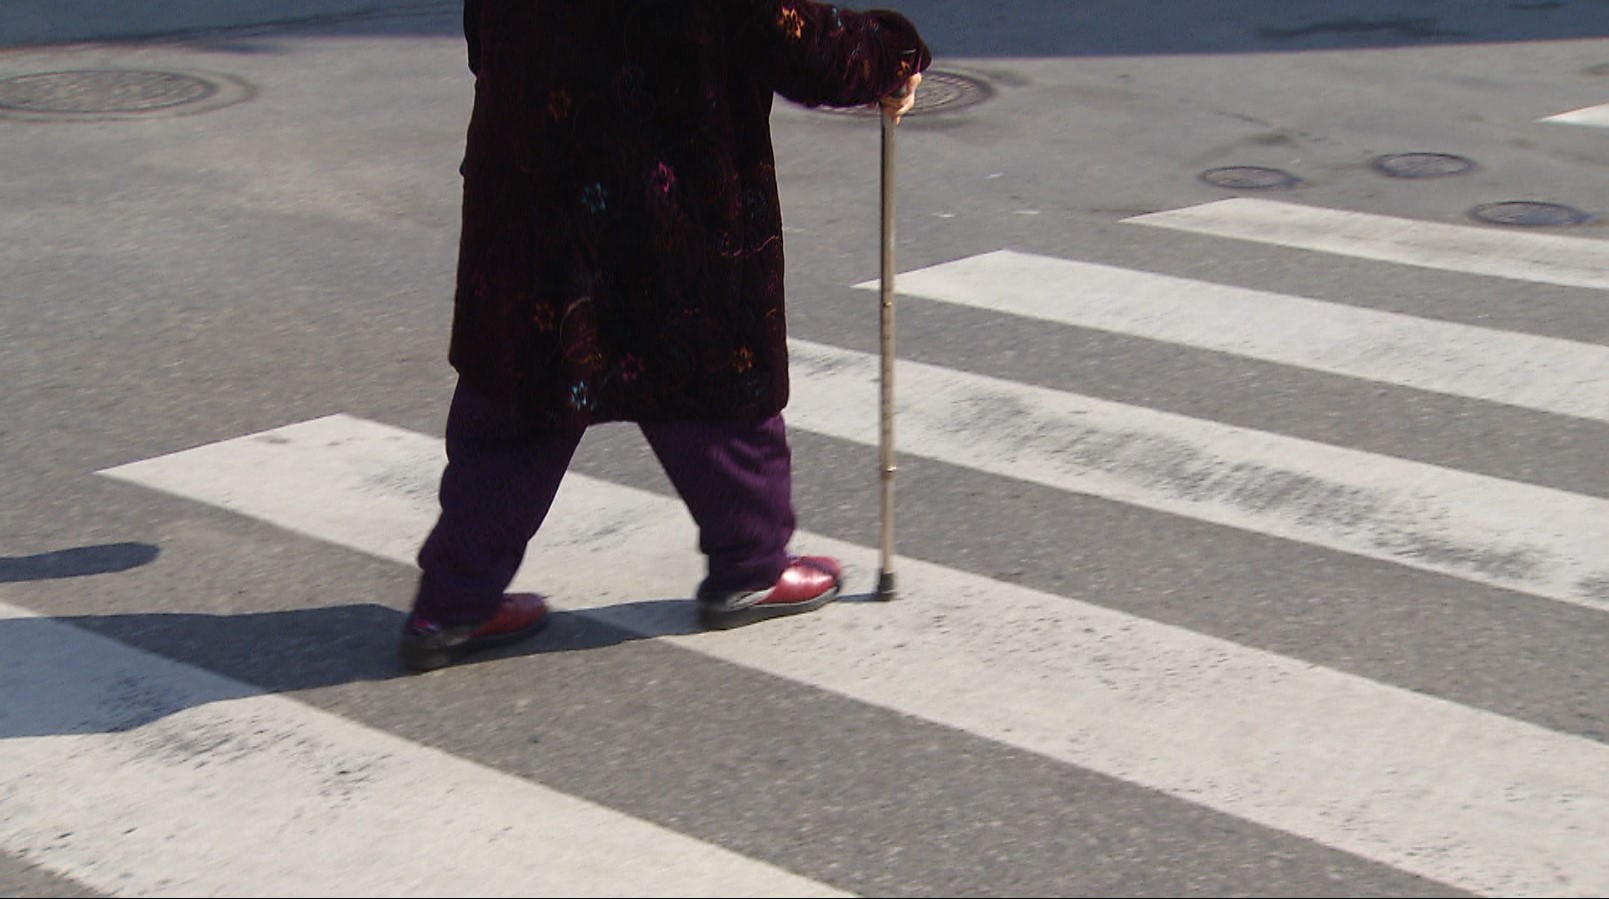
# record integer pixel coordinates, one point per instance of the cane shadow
(61, 676)
(79, 561)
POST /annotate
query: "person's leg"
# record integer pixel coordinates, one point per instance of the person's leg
(737, 481)
(501, 477)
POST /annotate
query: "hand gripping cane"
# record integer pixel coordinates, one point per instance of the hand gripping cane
(885, 579)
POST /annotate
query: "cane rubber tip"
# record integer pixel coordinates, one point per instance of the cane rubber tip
(885, 586)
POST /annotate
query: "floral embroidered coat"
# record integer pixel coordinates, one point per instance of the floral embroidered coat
(621, 249)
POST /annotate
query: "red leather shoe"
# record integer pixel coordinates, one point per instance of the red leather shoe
(427, 645)
(807, 584)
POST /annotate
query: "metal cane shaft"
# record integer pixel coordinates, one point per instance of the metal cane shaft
(885, 581)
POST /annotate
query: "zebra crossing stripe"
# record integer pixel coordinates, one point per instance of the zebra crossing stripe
(1557, 376)
(1341, 760)
(136, 775)
(1541, 258)
(1597, 116)
(1492, 531)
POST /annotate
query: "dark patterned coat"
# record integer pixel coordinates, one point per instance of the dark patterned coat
(621, 252)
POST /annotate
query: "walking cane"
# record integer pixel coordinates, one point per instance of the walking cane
(885, 579)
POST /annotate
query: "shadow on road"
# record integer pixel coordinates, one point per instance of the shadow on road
(76, 562)
(288, 652)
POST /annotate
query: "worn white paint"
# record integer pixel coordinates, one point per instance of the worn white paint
(1498, 252)
(1472, 799)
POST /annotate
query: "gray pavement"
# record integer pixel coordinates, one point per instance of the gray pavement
(262, 232)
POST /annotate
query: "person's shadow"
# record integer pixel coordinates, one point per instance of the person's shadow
(62, 680)
(61, 675)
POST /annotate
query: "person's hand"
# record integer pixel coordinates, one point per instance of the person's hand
(897, 104)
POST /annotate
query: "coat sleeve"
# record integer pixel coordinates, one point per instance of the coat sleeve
(825, 55)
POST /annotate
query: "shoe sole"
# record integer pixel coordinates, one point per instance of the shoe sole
(716, 619)
(421, 658)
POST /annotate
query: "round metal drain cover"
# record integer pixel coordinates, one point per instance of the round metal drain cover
(940, 92)
(1530, 213)
(101, 91)
(1250, 177)
(1423, 165)
(114, 93)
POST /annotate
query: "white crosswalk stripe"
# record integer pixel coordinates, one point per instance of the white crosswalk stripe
(1596, 116)
(1542, 258)
(1547, 542)
(1328, 756)
(1548, 374)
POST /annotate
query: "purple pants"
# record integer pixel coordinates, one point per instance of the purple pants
(502, 475)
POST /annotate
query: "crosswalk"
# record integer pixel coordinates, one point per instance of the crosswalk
(1463, 797)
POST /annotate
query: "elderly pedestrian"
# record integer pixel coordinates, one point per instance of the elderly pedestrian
(621, 260)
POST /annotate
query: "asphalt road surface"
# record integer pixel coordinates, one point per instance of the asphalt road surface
(1251, 509)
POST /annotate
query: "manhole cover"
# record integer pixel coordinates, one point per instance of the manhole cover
(940, 92)
(1250, 177)
(1423, 165)
(1530, 213)
(114, 93)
